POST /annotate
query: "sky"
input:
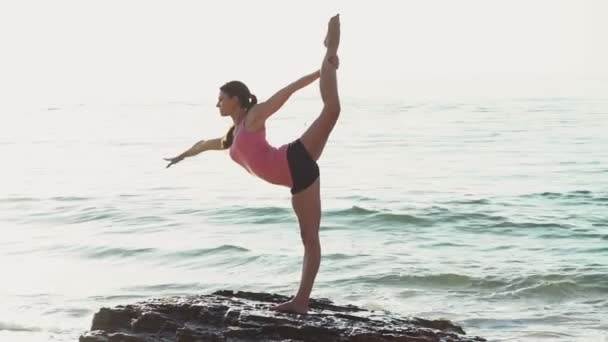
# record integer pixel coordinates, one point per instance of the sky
(83, 51)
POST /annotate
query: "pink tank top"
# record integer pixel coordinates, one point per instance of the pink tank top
(258, 157)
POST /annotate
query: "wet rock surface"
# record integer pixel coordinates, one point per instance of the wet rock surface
(245, 316)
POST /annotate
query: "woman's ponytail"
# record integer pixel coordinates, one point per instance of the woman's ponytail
(253, 100)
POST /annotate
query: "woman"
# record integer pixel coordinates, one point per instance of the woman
(293, 165)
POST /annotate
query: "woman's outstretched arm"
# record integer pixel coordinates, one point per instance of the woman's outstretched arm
(265, 109)
(201, 146)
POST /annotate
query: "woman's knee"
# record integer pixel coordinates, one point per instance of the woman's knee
(332, 108)
(310, 239)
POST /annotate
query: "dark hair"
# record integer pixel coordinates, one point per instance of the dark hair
(240, 90)
(228, 138)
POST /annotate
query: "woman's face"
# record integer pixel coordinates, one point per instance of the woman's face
(227, 104)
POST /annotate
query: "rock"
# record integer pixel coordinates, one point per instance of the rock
(245, 316)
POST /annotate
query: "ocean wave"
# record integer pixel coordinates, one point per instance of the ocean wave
(569, 235)
(585, 196)
(70, 311)
(553, 286)
(78, 214)
(507, 324)
(354, 210)
(198, 252)
(9, 326)
(17, 199)
(478, 201)
(121, 297)
(343, 256)
(443, 280)
(70, 198)
(107, 252)
(358, 198)
(101, 252)
(432, 216)
(451, 216)
(254, 215)
(369, 216)
(530, 225)
(590, 235)
(185, 287)
(44, 199)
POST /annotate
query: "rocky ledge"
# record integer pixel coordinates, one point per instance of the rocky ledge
(245, 316)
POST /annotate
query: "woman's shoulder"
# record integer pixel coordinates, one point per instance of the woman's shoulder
(253, 122)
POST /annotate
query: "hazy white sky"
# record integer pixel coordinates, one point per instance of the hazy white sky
(127, 50)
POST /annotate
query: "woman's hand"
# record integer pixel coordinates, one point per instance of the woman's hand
(174, 160)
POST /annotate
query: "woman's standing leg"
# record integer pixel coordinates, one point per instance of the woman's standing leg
(307, 206)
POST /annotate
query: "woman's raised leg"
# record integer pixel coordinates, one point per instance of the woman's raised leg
(316, 136)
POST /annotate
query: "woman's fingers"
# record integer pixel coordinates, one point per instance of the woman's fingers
(171, 160)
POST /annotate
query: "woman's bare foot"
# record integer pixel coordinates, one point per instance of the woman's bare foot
(291, 307)
(332, 38)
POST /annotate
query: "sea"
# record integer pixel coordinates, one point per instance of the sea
(491, 213)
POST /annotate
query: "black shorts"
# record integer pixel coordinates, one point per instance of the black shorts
(303, 169)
